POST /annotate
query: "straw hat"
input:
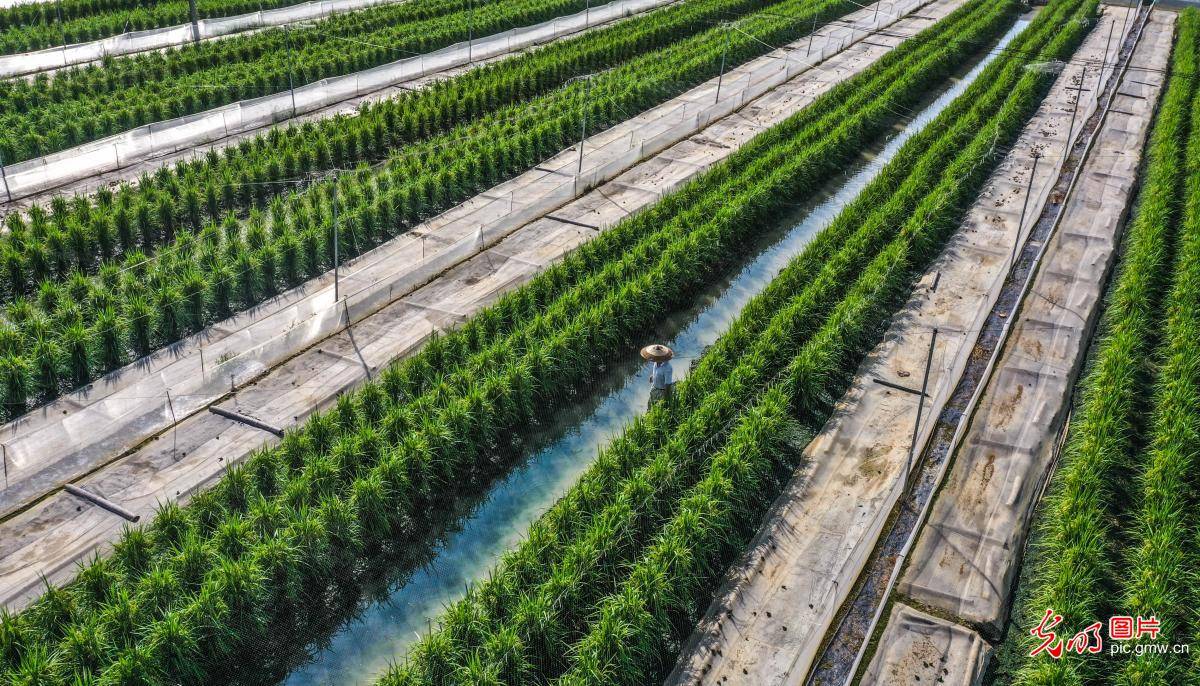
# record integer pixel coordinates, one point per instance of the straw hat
(657, 353)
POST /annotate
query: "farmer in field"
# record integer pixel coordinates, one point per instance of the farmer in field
(659, 357)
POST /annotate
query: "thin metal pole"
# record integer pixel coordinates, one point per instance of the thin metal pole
(587, 14)
(287, 32)
(1025, 207)
(1075, 109)
(4, 175)
(875, 19)
(1107, 44)
(195, 21)
(583, 129)
(724, 52)
(335, 240)
(62, 29)
(1125, 21)
(471, 32)
(5, 460)
(174, 421)
(912, 448)
(808, 50)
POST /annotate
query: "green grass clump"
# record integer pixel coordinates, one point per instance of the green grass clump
(1161, 577)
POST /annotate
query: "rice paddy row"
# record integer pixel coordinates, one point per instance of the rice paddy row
(207, 581)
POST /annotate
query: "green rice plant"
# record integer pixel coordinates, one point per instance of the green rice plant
(1078, 542)
(77, 342)
(1161, 579)
(181, 263)
(47, 367)
(443, 434)
(840, 342)
(15, 372)
(432, 110)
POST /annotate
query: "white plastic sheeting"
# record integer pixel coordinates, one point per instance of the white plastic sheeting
(168, 36)
(966, 560)
(171, 136)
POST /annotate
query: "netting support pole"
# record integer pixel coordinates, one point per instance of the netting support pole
(287, 32)
(62, 28)
(587, 14)
(335, 241)
(583, 128)
(808, 50)
(1075, 109)
(1024, 207)
(1126, 21)
(721, 77)
(471, 32)
(1107, 45)
(174, 421)
(912, 448)
(4, 175)
(195, 21)
(875, 19)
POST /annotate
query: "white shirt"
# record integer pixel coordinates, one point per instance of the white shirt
(660, 376)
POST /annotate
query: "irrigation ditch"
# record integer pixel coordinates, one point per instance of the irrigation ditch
(562, 450)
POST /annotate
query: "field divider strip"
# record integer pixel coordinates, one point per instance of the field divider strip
(1010, 323)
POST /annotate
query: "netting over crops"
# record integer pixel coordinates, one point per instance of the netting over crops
(154, 39)
(132, 405)
(183, 133)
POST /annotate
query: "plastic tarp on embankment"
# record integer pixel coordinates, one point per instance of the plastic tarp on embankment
(168, 36)
(183, 133)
